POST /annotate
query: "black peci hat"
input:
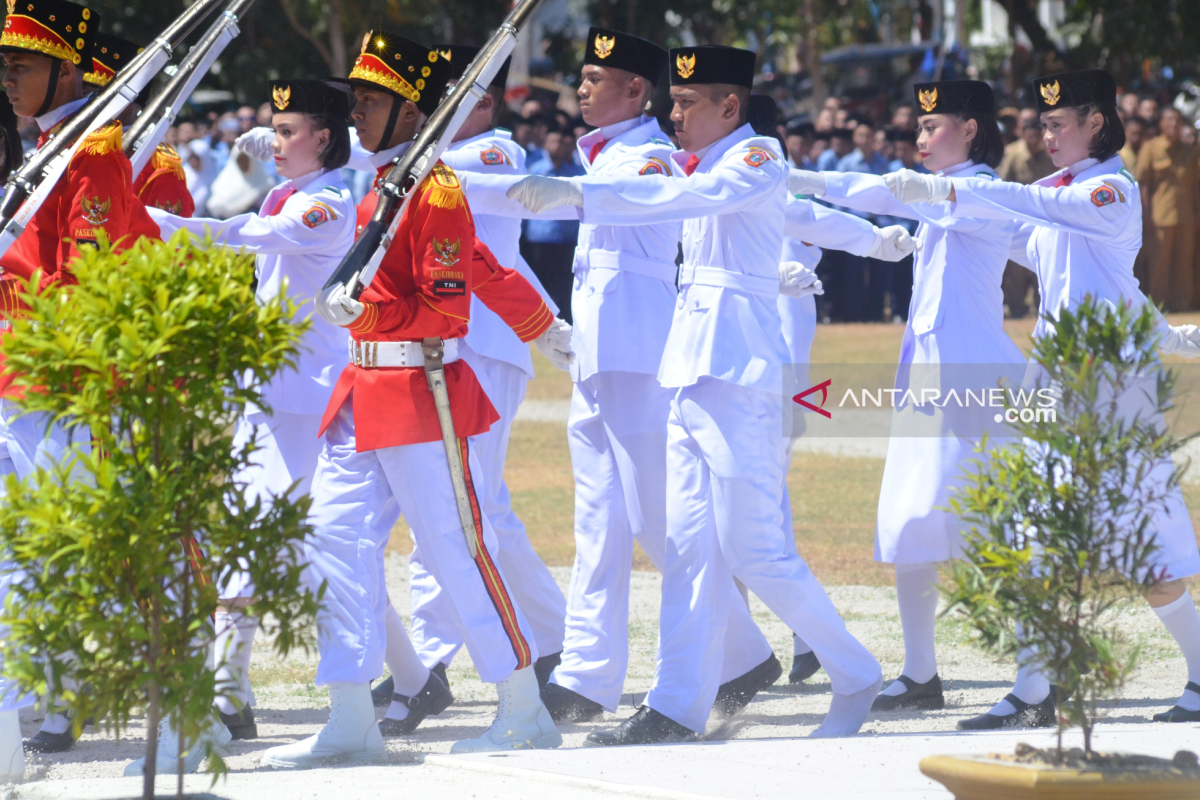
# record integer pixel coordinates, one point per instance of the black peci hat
(712, 64)
(54, 28)
(460, 56)
(388, 62)
(109, 55)
(955, 97)
(1067, 89)
(310, 97)
(605, 48)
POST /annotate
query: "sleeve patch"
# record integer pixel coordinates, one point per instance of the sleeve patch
(1105, 195)
(95, 210)
(655, 166)
(445, 253)
(448, 286)
(757, 157)
(494, 157)
(170, 206)
(319, 214)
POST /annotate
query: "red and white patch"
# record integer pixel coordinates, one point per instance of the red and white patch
(493, 157)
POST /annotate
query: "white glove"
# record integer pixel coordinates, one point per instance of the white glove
(892, 244)
(539, 193)
(555, 344)
(1181, 340)
(797, 280)
(337, 307)
(917, 187)
(257, 142)
(801, 181)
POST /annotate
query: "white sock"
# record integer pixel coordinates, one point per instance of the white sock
(232, 648)
(917, 595)
(56, 723)
(408, 673)
(847, 712)
(12, 752)
(1183, 622)
(1031, 685)
(799, 646)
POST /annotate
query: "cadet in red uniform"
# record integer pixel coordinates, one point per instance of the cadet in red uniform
(383, 452)
(161, 183)
(45, 44)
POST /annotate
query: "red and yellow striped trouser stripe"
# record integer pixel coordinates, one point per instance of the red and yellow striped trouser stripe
(491, 576)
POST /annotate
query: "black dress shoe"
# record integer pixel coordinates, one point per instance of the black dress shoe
(1026, 716)
(647, 726)
(926, 695)
(43, 742)
(804, 666)
(439, 669)
(241, 724)
(432, 700)
(1177, 714)
(381, 694)
(734, 695)
(566, 705)
(544, 666)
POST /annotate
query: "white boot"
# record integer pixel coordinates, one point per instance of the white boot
(12, 754)
(167, 758)
(351, 731)
(522, 722)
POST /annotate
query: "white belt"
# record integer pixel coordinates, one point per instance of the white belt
(724, 279)
(626, 262)
(372, 355)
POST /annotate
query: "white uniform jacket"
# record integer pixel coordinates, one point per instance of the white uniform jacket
(495, 153)
(302, 244)
(624, 275)
(726, 322)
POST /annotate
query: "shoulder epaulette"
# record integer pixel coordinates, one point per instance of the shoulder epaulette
(985, 174)
(498, 128)
(656, 140)
(1127, 175)
(103, 141)
(443, 189)
(167, 159)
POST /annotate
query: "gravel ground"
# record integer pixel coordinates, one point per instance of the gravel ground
(290, 708)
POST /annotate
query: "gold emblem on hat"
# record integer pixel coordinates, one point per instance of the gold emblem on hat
(1051, 93)
(604, 45)
(444, 54)
(12, 6)
(282, 97)
(685, 65)
(87, 14)
(928, 100)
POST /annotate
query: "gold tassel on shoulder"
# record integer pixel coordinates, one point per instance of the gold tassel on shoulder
(103, 141)
(165, 159)
(443, 189)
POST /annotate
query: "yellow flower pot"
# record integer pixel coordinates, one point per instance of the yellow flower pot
(987, 778)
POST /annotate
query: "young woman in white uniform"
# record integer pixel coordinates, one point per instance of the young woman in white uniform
(1083, 226)
(956, 318)
(305, 227)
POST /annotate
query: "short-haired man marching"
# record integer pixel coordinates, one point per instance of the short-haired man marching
(622, 304)
(726, 440)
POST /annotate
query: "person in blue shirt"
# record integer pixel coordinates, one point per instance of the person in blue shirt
(865, 280)
(549, 245)
(841, 144)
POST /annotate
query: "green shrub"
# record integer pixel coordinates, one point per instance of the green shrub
(151, 358)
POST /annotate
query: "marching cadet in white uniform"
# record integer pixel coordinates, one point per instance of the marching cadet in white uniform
(503, 364)
(727, 438)
(1083, 226)
(305, 227)
(955, 319)
(622, 303)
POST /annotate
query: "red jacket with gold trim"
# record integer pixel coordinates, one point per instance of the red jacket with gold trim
(163, 185)
(423, 289)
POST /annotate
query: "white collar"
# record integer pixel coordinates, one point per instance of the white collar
(606, 134)
(388, 156)
(950, 171)
(1080, 166)
(301, 183)
(56, 115)
(610, 132)
(719, 147)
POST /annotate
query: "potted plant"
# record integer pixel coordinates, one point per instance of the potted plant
(1060, 532)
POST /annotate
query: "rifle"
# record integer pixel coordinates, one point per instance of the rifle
(30, 185)
(359, 266)
(159, 114)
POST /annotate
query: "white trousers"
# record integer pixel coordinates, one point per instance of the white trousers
(726, 457)
(434, 632)
(617, 431)
(357, 498)
(288, 449)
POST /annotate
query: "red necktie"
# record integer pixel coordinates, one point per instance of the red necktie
(275, 209)
(692, 162)
(596, 148)
(1064, 180)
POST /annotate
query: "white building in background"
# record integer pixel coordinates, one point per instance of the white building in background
(993, 31)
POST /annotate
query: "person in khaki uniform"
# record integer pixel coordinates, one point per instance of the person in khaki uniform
(1169, 175)
(1025, 161)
